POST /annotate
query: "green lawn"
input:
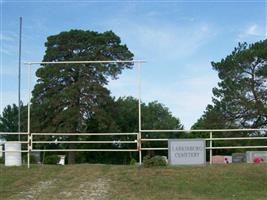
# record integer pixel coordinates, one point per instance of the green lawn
(95, 182)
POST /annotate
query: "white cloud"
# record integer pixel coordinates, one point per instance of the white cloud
(9, 43)
(253, 30)
(6, 37)
(162, 39)
(5, 51)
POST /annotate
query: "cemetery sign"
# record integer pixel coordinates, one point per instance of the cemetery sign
(186, 151)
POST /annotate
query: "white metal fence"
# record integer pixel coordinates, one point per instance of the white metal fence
(138, 141)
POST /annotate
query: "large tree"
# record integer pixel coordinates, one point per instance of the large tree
(240, 99)
(67, 95)
(242, 91)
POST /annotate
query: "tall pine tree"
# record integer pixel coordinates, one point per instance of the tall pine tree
(242, 92)
(66, 95)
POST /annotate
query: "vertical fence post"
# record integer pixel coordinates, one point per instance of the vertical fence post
(210, 147)
(29, 114)
(139, 137)
(139, 147)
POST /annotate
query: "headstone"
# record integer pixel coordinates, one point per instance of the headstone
(61, 160)
(186, 151)
(238, 157)
(228, 159)
(256, 156)
(217, 159)
(221, 159)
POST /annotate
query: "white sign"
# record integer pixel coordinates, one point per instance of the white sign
(186, 151)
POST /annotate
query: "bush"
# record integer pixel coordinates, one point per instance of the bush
(2, 161)
(32, 159)
(51, 160)
(132, 162)
(154, 161)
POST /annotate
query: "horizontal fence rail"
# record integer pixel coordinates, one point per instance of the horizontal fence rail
(20, 142)
(114, 142)
(86, 62)
(206, 130)
(70, 134)
(13, 133)
(84, 142)
(81, 150)
(208, 139)
(47, 138)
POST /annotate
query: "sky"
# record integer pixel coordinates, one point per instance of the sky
(178, 40)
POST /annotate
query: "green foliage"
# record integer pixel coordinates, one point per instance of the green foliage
(240, 100)
(2, 160)
(67, 96)
(9, 121)
(51, 159)
(32, 159)
(211, 119)
(241, 94)
(154, 161)
(133, 162)
(121, 115)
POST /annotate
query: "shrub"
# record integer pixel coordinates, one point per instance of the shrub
(51, 160)
(132, 162)
(32, 159)
(154, 161)
(2, 161)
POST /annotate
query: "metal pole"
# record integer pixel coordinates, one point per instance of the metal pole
(29, 112)
(139, 137)
(19, 74)
(210, 148)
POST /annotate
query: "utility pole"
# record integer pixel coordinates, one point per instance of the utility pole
(19, 75)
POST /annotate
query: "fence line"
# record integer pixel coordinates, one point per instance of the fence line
(138, 141)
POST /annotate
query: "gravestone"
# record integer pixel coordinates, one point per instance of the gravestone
(238, 157)
(186, 151)
(221, 159)
(252, 155)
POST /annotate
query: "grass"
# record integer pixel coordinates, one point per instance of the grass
(97, 182)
